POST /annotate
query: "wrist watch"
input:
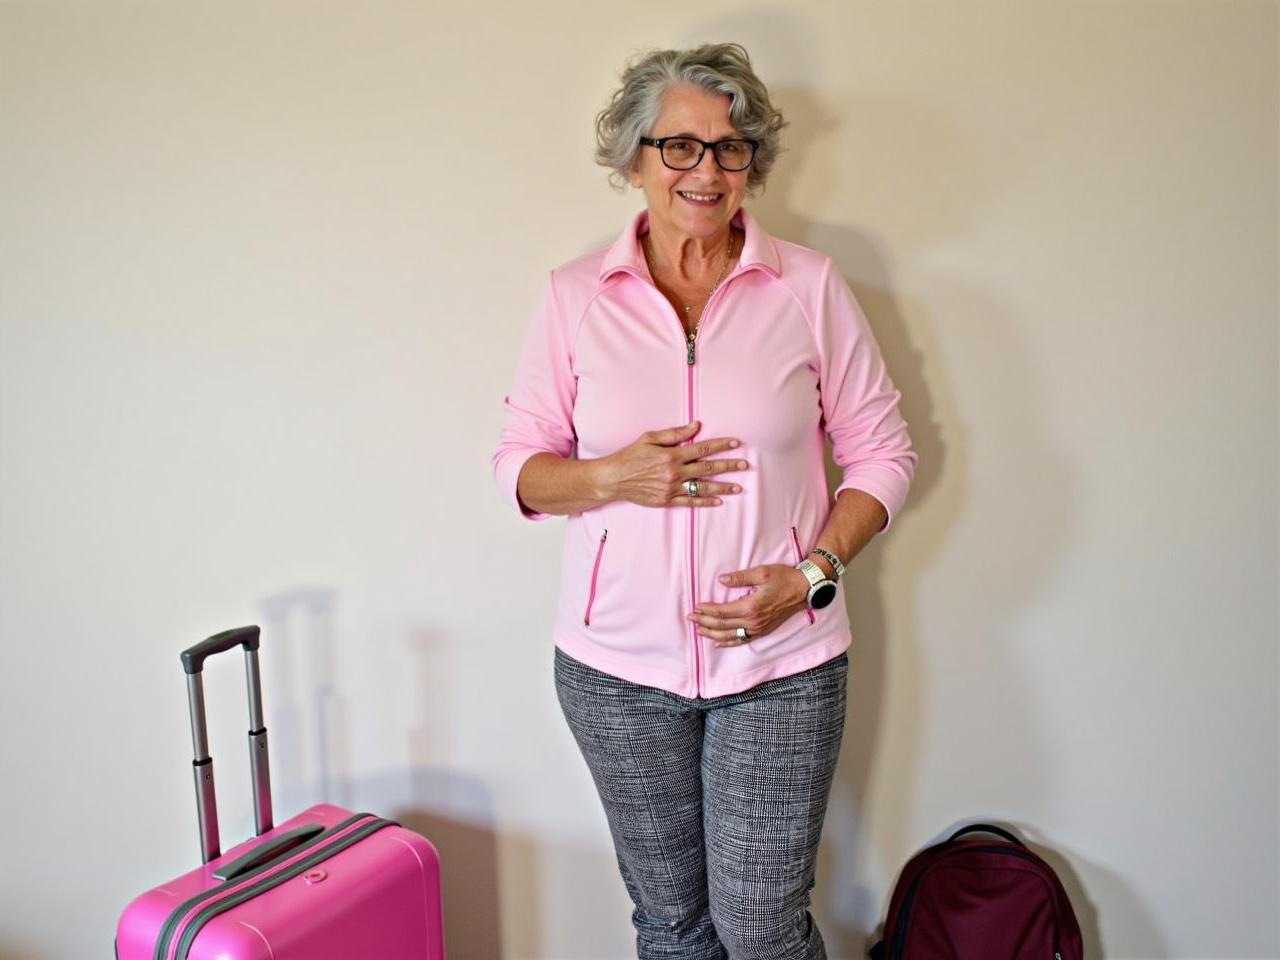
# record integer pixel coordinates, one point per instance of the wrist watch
(821, 590)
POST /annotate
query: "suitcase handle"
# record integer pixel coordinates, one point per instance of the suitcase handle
(270, 850)
(193, 659)
(986, 828)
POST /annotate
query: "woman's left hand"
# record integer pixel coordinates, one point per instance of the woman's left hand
(778, 592)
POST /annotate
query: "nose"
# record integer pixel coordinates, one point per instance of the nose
(708, 160)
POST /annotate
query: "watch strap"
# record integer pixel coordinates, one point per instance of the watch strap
(832, 559)
(812, 572)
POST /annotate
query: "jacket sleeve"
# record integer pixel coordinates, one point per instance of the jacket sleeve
(859, 403)
(540, 405)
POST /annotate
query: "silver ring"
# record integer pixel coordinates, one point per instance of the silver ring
(742, 635)
(691, 487)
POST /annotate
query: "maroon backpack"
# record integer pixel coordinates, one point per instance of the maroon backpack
(979, 899)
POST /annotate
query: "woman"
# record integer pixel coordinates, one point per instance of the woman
(671, 400)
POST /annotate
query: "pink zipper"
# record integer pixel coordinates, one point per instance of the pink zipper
(693, 557)
(690, 362)
(595, 574)
(795, 542)
(693, 511)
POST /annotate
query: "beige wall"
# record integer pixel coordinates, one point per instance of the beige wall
(265, 269)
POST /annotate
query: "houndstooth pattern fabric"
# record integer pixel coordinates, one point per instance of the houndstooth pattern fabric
(715, 806)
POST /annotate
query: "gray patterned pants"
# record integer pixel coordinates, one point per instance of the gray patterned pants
(715, 806)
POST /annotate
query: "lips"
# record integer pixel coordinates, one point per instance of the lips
(700, 199)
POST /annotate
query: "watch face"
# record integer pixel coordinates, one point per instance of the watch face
(822, 595)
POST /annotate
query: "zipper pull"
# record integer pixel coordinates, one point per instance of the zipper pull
(690, 352)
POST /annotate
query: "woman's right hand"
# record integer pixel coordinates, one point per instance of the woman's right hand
(652, 471)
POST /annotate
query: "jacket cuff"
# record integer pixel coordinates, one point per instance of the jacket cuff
(506, 471)
(883, 484)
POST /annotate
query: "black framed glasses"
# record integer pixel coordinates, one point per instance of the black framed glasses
(685, 153)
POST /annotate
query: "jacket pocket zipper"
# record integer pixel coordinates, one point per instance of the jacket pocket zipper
(795, 542)
(595, 574)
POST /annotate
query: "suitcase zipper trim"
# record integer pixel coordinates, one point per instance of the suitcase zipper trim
(252, 890)
(170, 926)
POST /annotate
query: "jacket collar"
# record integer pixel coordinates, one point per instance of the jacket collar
(626, 255)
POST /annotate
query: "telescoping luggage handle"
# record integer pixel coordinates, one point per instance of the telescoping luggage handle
(193, 660)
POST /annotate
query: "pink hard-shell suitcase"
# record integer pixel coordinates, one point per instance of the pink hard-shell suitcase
(328, 884)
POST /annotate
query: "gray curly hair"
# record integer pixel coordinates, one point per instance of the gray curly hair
(722, 68)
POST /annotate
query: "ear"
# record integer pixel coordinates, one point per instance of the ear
(634, 176)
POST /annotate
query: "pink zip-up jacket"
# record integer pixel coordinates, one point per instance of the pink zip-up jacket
(783, 355)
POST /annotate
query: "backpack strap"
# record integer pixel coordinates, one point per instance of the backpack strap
(985, 828)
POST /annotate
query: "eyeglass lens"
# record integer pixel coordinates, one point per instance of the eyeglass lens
(732, 155)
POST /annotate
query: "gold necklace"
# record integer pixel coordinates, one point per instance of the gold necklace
(691, 350)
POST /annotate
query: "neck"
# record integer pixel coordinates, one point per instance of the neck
(689, 257)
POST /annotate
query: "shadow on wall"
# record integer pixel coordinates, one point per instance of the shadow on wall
(468, 858)
(1107, 888)
(493, 900)
(1013, 570)
(454, 811)
(308, 719)
(311, 761)
(852, 906)
(1086, 912)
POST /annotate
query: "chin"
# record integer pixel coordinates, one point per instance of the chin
(708, 222)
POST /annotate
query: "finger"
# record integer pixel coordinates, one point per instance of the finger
(710, 488)
(708, 623)
(706, 493)
(725, 466)
(705, 448)
(709, 468)
(687, 501)
(729, 637)
(716, 614)
(752, 576)
(673, 435)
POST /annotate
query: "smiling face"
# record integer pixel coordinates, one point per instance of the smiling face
(698, 202)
